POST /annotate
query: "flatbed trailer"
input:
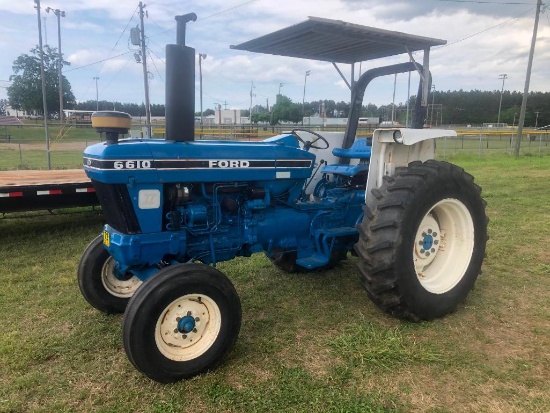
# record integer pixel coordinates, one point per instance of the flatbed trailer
(35, 190)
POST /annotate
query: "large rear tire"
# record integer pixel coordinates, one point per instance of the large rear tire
(99, 283)
(182, 322)
(422, 240)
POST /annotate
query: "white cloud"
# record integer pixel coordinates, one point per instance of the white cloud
(93, 31)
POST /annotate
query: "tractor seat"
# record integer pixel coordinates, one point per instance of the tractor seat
(359, 150)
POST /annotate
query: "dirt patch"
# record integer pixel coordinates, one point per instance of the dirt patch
(54, 146)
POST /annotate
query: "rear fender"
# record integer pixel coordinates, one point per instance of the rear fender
(396, 147)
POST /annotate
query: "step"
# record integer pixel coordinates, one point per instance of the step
(314, 261)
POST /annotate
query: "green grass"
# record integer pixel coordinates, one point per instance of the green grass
(35, 133)
(309, 342)
(15, 158)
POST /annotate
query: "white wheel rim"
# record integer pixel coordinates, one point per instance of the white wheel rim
(180, 339)
(116, 287)
(443, 246)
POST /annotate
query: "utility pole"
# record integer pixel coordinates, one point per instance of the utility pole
(503, 77)
(536, 119)
(393, 101)
(433, 99)
(280, 86)
(527, 79)
(42, 75)
(59, 14)
(308, 72)
(96, 94)
(145, 72)
(201, 56)
(251, 94)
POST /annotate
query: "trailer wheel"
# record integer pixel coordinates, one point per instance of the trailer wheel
(286, 261)
(98, 281)
(422, 240)
(182, 322)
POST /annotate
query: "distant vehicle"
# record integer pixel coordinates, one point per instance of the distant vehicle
(369, 121)
(389, 124)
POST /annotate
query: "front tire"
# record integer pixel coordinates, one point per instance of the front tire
(98, 281)
(182, 322)
(422, 240)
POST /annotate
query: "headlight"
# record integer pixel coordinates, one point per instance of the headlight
(397, 136)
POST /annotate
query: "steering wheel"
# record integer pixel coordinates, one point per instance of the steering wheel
(310, 144)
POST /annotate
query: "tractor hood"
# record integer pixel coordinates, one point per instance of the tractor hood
(153, 161)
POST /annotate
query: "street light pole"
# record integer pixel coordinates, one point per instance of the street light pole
(201, 56)
(145, 72)
(304, 97)
(59, 14)
(503, 77)
(96, 94)
(280, 86)
(42, 75)
(433, 99)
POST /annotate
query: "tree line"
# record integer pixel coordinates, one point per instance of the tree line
(450, 107)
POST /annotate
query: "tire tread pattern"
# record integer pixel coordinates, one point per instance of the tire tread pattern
(381, 231)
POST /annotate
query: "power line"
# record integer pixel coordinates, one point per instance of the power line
(153, 61)
(489, 28)
(487, 2)
(212, 15)
(99, 61)
(229, 9)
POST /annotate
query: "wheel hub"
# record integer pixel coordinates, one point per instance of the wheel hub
(443, 246)
(188, 327)
(119, 284)
(427, 243)
(186, 324)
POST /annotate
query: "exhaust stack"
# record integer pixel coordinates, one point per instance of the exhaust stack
(180, 85)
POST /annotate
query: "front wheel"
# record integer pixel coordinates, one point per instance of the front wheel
(422, 240)
(182, 322)
(99, 281)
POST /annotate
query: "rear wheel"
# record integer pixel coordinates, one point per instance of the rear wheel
(422, 240)
(99, 281)
(182, 322)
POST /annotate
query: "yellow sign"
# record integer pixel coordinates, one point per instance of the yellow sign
(106, 240)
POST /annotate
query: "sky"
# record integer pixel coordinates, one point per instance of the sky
(485, 39)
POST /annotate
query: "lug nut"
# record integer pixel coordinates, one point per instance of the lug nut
(197, 319)
(184, 336)
(422, 251)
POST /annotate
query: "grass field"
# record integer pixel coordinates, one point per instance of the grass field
(66, 151)
(309, 342)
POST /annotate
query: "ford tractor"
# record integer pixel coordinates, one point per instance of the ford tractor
(174, 208)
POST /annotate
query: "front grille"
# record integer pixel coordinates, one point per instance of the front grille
(117, 207)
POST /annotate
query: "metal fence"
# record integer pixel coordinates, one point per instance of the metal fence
(22, 152)
(485, 141)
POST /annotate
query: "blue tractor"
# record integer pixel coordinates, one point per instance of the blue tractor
(176, 207)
